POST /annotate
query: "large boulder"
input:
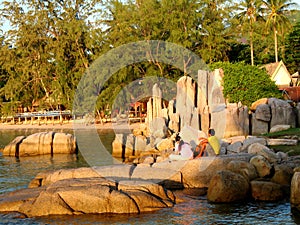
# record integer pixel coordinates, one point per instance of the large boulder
(88, 195)
(252, 140)
(197, 173)
(262, 166)
(129, 147)
(298, 112)
(283, 175)
(158, 127)
(140, 144)
(255, 104)
(259, 149)
(243, 168)
(12, 149)
(235, 147)
(41, 144)
(236, 119)
(258, 126)
(47, 178)
(169, 178)
(282, 112)
(185, 99)
(165, 144)
(266, 191)
(64, 143)
(226, 186)
(279, 127)
(174, 120)
(263, 112)
(117, 146)
(295, 191)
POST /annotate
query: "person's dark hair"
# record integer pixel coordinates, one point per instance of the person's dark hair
(211, 132)
(177, 138)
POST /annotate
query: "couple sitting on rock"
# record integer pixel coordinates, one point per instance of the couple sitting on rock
(183, 150)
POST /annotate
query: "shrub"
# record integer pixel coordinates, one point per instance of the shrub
(245, 83)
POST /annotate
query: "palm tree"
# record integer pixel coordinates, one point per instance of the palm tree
(250, 12)
(276, 18)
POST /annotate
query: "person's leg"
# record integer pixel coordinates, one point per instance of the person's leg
(202, 148)
(176, 157)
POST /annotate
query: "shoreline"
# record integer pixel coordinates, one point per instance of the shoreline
(69, 126)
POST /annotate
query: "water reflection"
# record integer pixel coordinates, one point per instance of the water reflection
(15, 173)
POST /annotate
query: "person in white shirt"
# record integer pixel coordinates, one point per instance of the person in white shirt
(183, 150)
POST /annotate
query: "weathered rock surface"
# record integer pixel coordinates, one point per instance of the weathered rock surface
(259, 149)
(279, 127)
(295, 191)
(88, 195)
(164, 144)
(259, 126)
(255, 104)
(266, 191)
(12, 148)
(283, 175)
(263, 112)
(235, 118)
(40, 144)
(282, 141)
(227, 186)
(252, 140)
(169, 178)
(263, 167)
(117, 146)
(185, 99)
(243, 168)
(197, 173)
(282, 113)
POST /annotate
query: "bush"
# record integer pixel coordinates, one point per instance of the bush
(246, 83)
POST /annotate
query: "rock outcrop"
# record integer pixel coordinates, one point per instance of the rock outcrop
(227, 186)
(295, 192)
(40, 144)
(266, 191)
(88, 195)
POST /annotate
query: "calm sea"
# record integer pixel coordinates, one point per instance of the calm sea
(16, 174)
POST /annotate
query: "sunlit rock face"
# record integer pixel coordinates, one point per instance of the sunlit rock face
(88, 195)
(41, 144)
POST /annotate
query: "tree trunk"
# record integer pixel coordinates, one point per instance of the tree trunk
(275, 40)
(251, 47)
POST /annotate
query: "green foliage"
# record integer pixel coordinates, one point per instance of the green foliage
(292, 46)
(246, 84)
(51, 43)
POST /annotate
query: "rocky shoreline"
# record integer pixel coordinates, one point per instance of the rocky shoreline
(141, 188)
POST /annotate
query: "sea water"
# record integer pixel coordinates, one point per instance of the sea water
(193, 209)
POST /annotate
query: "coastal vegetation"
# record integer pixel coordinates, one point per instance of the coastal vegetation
(50, 44)
(248, 84)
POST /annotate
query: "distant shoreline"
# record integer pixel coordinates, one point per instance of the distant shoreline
(68, 126)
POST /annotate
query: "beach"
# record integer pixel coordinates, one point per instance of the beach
(69, 125)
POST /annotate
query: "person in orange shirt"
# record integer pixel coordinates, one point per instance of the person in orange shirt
(212, 140)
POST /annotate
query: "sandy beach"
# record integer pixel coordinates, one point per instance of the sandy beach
(68, 126)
